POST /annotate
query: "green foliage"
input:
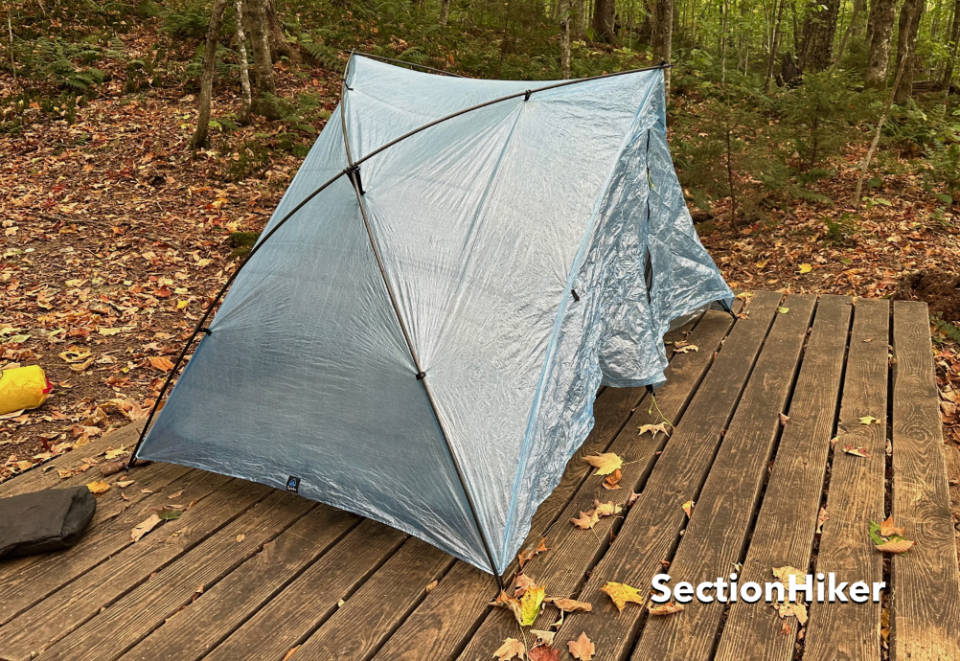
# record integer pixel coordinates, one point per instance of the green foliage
(186, 19)
(841, 229)
(59, 63)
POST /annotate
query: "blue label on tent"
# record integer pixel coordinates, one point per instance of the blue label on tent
(293, 484)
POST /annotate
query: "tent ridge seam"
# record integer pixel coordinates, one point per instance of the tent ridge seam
(558, 320)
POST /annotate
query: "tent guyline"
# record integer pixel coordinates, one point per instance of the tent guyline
(497, 259)
(353, 172)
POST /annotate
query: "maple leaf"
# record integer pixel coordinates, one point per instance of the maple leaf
(525, 556)
(605, 463)
(522, 583)
(784, 573)
(510, 649)
(586, 520)
(581, 649)
(788, 608)
(621, 594)
(608, 508)
(144, 527)
(544, 653)
(888, 528)
(687, 508)
(653, 430)
(668, 608)
(569, 605)
(612, 481)
(98, 487)
(113, 454)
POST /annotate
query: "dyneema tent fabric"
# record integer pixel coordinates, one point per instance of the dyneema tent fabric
(420, 342)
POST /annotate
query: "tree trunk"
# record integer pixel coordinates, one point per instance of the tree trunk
(819, 29)
(880, 28)
(947, 78)
(278, 42)
(909, 25)
(206, 77)
(564, 12)
(603, 19)
(244, 67)
(257, 22)
(852, 27)
(444, 11)
(663, 36)
(774, 44)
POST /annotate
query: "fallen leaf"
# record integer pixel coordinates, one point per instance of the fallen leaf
(586, 520)
(784, 419)
(621, 594)
(431, 585)
(524, 556)
(569, 606)
(868, 420)
(175, 494)
(114, 453)
(522, 583)
(530, 604)
(788, 608)
(169, 514)
(822, 518)
(161, 363)
(687, 508)
(856, 451)
(581, 649)
(784, 573)
(98, 487)
(510, 649)
(605, 463)
(783, 310)
(144, 527)
(653, 430)
(895, 545)
(668, 608)
(687, 348)
(123, 484)
(888, 528)
(543, 653)
(612, 481)
(608, 508)
(544, 637)
(240, 538)
(290, 653)
(805, 268)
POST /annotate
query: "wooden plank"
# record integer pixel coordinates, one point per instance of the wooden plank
(308, 601)
(44, 476)
(78, 601)
(33, 582)
(139, 611)
(380, 605)
(925, 605)
(716, 532)
(201, 625)
(855, 494)
(787, 522)
(653, 523)
(439, 626)
(573, 551)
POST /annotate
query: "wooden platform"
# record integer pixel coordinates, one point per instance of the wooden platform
(247, 572)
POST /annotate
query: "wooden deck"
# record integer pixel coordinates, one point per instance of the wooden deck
(251, 573)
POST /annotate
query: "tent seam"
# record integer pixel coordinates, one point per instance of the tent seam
(561, 310)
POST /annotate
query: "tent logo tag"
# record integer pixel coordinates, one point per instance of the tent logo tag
(293, 484)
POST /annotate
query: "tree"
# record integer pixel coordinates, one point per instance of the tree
(909, 26)
(880, 30)
(603, 19)
(775, 44)
(819, 29)
(947, 78)
(259, 30)
(563, 8)
(662, 36)
(206, 77)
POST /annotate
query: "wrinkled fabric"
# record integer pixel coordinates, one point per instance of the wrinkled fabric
(513, 242)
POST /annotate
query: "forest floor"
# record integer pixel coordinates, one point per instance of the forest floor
(113, 236)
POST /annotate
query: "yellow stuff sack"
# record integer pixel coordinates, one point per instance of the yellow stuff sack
(23, 388)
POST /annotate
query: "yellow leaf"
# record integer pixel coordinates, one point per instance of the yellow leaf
(511, 649)
(687, 508)
(868, 420)
(98, 487)
(113, 454)
(530, 604)
(581, 649)
(608, 508)
(621, 594)
(108, 331)
(605, 463)
(784, 573)
(668, 608)
(181, 304)
(586, 520)
(144, 527)
(783, 310)
(805, 268)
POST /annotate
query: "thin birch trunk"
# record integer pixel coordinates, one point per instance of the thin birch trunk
(206, 78)
(244, 66)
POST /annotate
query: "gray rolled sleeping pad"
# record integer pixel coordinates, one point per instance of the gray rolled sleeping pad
(44, 521)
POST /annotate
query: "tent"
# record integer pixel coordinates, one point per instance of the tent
(421, 329)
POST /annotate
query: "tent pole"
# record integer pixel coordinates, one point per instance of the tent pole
(421, 375)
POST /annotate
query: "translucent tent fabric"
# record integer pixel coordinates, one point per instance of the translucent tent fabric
(514, 240)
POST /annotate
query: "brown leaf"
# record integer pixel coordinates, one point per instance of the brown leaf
(569, 605)
(431, 585)
(687, 508)
(98, 487)
(888, 528)
(161, 363)
(524, 556)
(290, 653)
(581, 649)
(668, 608)
(586, 520)
(653, 430)
(510, 649)
(543, 637)
(612, 481)
(895, 545)
(856, 451)
(543, 653)
(608, 508)
(144, 527)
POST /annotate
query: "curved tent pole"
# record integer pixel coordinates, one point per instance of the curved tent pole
(421, 376)
(353, 174)
(393, 60)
